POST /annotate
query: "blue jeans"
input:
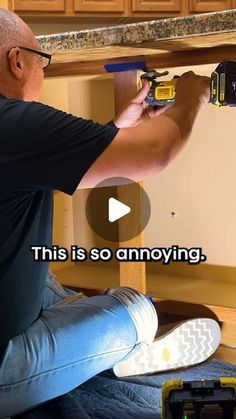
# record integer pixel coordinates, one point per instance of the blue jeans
(74, 339)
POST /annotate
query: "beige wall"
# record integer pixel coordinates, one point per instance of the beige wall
(199, 186)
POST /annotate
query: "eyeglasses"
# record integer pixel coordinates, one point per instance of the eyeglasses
(46, 58)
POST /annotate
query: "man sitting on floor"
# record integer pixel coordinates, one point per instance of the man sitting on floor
(48, 345)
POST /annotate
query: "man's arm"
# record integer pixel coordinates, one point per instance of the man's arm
(145, 149)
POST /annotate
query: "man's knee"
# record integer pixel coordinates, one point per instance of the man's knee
(141, 310)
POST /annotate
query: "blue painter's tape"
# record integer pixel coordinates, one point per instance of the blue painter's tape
(118, 67)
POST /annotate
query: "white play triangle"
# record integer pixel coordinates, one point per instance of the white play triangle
(116, 209)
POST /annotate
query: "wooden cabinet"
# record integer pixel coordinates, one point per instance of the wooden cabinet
(99, 6)
(110, 11)
(114, 10)
(203, 6)
(38, 5)
(156, 5)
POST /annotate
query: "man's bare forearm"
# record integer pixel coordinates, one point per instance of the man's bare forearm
(184, 116)
(143, 151)
(161, 138)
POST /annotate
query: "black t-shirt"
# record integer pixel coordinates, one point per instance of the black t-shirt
(41, 149)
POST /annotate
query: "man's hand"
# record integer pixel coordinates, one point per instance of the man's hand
(192, 89)
(137, 110)
(192, 92)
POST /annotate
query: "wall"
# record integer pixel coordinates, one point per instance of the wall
(199, 186)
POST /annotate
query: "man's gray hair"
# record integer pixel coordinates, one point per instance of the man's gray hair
(12, 31)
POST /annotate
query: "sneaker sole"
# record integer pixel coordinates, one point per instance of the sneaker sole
(190, 343)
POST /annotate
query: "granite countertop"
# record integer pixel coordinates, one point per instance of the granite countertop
(154, 42)
(142, 32)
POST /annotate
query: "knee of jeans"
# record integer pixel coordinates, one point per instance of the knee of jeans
(141, 310)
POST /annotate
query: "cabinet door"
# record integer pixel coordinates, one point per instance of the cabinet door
(94, 6)
(156, 5)
(38, 5)
(208, 5)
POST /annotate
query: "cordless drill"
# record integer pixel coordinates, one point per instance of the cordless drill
(222, 87)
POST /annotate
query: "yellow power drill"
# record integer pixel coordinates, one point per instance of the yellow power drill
(222, 88)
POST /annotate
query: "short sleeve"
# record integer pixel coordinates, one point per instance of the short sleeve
(44, 148)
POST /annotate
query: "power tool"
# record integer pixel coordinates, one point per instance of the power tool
(203, 399)
(222, 88)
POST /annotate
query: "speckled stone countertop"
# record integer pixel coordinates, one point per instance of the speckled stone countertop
(136, 33)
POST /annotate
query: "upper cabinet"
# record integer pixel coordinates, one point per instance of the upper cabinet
(156, 5)
(115, 10)
(38, 5)
(203, 6)
(91, 10)
(99, 6)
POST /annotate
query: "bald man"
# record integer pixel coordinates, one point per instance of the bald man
(50, 339)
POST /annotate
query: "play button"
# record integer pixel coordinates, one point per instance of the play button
(118, 213)
(117, 210)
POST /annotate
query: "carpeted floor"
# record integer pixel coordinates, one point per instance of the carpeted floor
(108, 397)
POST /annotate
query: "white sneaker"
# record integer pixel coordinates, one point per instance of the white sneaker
(190, 343)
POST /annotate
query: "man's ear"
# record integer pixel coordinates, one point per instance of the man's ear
(16, 63)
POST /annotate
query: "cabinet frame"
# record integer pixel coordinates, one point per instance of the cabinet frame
(203, 6)
(101, 6)
(38, 5)
(156, 6)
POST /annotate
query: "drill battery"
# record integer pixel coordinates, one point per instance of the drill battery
(223, 84)
(199, 399)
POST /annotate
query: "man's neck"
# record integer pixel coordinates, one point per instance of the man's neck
(9, 91)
